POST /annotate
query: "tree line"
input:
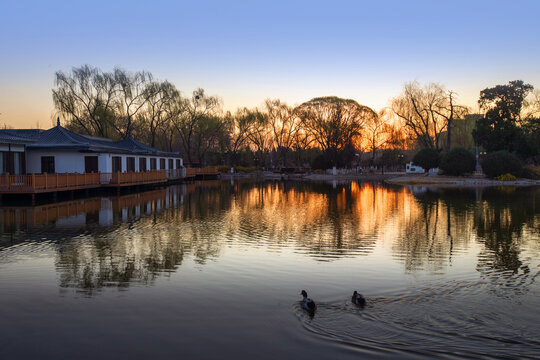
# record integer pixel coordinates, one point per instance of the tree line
(322, 132)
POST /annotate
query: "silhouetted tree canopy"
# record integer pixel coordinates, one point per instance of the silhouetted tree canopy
(334, 122)
(322, 132)
(501, 127)
(427, 111)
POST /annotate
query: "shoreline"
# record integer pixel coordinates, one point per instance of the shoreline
(442, 180)
(390, 178)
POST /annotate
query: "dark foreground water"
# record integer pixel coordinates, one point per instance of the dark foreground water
(214, 271)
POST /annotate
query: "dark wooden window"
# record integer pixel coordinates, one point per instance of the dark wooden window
(23, 163)
(18, 163)
(162, 164)
(130, 164)
(153, 164)
(178, 163)
(171, 164)
(47, 164)
(116, 164)
(12, 162)
(142, 164)
(90, 164)
(9, 161)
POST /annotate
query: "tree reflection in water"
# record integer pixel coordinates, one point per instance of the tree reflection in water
(116, 241)
(500, 219)
(506, 218)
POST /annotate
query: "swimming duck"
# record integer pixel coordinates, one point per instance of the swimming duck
(358, 299)
(307, 303)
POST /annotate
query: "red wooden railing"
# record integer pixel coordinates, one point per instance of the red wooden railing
(193, 172)
(135, 178)
(44, 182)
(34, 183)
(173, 174)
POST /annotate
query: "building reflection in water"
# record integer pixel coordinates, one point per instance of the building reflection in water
(114, 241)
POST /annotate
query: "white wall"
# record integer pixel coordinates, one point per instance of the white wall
(64, 162)
(105, 163)
(73, 161)
(14, 148)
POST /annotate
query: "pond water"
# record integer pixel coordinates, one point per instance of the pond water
(215, 269)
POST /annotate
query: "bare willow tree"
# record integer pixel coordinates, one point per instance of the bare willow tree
(209, 135)
(427, 112)
(378, 132)
(238, 126)
(302, 141)
(284, 124)
(191, 112)
(259, 134)
(101, 103)
(161, 107)
(333, 122)
(85, 99)
(131, 98)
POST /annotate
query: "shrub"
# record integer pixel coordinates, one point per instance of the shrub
(530, 172)
(245, 169)
(321, 162)
(506, 177)
(458, 161)
(427, 158)
(224, 168)
(500, 163)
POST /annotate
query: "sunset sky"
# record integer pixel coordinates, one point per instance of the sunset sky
(246, 51)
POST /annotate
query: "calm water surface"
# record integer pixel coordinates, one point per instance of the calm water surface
(214, 270)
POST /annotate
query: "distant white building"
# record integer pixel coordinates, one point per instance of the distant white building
(410, 168)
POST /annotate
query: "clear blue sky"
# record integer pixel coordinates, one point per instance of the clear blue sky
(246, 51)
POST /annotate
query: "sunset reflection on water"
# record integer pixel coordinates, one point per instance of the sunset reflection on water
(429, 259)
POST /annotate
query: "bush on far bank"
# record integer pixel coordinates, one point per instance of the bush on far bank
(501, 162)
(458, 161)
(427, 158)
(531, 172)
(237, 169)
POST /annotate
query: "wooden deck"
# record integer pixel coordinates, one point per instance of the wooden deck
(40, 183)
(43, 183)
(119, 179)
(201, 172)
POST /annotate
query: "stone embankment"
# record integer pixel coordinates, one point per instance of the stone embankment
(268, 175)
(391, 178)
(457, 181)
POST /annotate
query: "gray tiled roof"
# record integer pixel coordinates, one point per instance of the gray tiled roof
(61, 138)
(11, 138)
(133, 145)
